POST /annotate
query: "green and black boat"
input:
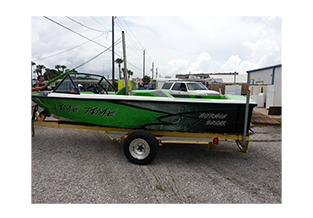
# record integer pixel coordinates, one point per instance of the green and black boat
(91, 99)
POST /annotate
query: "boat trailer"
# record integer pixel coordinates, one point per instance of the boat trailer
(141, 145)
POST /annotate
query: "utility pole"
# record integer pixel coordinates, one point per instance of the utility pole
(144, 64)
(113, 61)
(156, 73)
(125, 63)
(152, 69)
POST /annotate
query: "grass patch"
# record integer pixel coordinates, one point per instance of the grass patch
(280, 121)
(160, 187)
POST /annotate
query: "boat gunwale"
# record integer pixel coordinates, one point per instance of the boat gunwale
(95, 97)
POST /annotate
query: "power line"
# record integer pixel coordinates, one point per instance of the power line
(132, 40)
(129, 37)
(67, 49)
(74, 32)
(149, 57)
(121, 26)
(127, 61)
(101, 24)
(133, 33)
(86, 62)
(86, 26)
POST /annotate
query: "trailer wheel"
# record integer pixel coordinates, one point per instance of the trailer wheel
(140, 147)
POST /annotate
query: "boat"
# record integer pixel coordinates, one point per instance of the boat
(92, 100)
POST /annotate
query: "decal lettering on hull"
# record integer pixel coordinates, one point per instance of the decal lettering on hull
(97, 110)
(218, 119)
(63, 107)
(216, 123)
(212, 116)
(88, 110)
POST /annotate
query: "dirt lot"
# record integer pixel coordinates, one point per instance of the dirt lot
(80, 166)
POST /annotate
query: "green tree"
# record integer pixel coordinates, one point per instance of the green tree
(146, 80)
(39, 69)
(51, 73)
(129, 73)
(47, 74)
(57, 67)
(63, 67)
(119, 61)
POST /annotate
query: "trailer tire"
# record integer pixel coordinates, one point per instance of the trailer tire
(140, 147)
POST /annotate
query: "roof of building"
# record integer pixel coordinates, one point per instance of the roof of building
(264, 68)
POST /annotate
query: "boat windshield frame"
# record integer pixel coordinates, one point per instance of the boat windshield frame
(72, 86)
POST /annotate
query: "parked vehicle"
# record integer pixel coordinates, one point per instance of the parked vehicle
(186, 88)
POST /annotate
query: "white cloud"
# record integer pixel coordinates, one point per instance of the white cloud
(235, 64)
(177, 66)
(174, 44)
(265, 43)
(264, 52)
(202, 64)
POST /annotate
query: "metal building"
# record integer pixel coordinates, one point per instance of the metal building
(268, 75)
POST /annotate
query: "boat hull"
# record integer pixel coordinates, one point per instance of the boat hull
(151, 113)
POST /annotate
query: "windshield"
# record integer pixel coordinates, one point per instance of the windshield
(84, 82)
(196, 86)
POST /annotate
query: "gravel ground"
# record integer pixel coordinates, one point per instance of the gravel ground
(80, 166)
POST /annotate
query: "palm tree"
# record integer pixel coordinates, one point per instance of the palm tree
(63, 67)
(47, 74)
(57, 67)
(130, 73)
(39, 69)
(119, 61)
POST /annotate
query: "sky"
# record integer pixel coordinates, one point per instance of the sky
(175, 44)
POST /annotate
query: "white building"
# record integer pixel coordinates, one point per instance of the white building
(241, 78)
(267, 75)
(269, 88)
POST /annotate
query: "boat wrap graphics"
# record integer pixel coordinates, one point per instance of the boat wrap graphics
(151, 113)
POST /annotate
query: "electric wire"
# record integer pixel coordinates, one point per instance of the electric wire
(91, 59)
(85, 25)
(107, 48)
(127, 61)
(133, 33)
(132, 40)
(137, 39)
(101, 24)
(67, 49)
(121, 26)
(74, 31)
